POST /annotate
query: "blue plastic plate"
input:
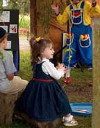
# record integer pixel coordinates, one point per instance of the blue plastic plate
(81, 109)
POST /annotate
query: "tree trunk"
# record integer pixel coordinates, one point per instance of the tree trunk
(96, 73)
(33, 17)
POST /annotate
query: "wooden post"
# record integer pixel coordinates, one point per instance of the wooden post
(96, 73)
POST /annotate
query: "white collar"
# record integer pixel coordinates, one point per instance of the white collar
(44, 59)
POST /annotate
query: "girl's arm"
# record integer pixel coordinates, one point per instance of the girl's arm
(49, 69)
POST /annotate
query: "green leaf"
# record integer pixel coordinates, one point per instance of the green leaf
(1, 55)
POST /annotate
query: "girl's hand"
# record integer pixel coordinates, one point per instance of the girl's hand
(55, 8)
(65, 71)
(61, 66)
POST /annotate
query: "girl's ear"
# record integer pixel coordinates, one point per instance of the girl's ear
(41, 52)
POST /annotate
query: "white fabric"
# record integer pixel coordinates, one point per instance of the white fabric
(17, 85)
(49, 69)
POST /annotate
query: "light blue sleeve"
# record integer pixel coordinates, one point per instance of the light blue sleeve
(8, 63)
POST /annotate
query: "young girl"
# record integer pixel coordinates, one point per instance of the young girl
(43, 98)
(8, 82)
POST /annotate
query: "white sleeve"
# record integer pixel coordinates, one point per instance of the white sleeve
(49, 69)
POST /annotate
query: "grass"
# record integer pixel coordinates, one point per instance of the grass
(24, 21)
(25, 67)
(78, 91)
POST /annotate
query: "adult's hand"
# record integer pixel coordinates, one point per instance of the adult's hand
(55, 8)
(94, 3)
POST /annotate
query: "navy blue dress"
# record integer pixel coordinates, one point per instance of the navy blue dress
(43, 98)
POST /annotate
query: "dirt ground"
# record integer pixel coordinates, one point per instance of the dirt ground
(24, 43)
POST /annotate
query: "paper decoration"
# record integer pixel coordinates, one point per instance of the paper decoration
(13, 28)
(5, 17)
